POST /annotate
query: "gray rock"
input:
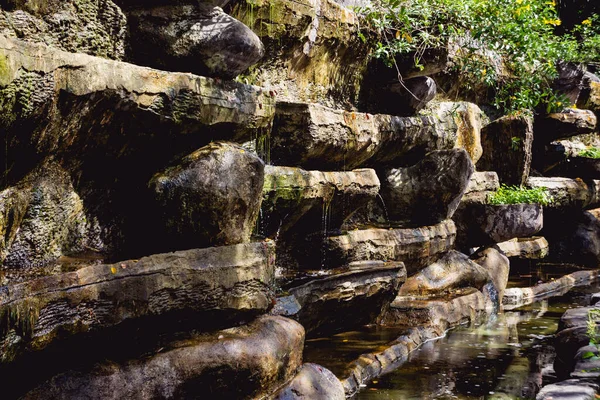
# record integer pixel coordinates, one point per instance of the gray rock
(198, 38)
(345, 301)
(507, 144)
(95, 27)
(429, 191)
(568, 193)
(232, 283)
(294, 196)
(572, 389)
(454, 270)
(482, 224)
(497, 266)
(569, 122)
(481, 184)
(570, 81)
(242, 362)
(312, 382)
(409, 96)
(533, 248)
(286, 306)
(576, 237)
(416, 247)
(211, 198)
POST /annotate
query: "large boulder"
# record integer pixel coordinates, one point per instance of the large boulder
(405, 97)
(429, 191)
(566, 123)
(250, 361)
(568, 193)
(211, 198)
(416, 247)
(497, 266)
(576, 237)
(95, 27)
(226, 284)
(197, 37)
(507, 144)
(532, 248)
(312, 382)
(454, 270)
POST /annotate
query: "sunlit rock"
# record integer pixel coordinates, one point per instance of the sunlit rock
(533, 248)
(312, 382)
(196, 37)
(212, 197)
(507, 144)
(429, 191)
(568, 193)
(497, 266)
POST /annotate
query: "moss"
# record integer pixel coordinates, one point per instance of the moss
(5, 71)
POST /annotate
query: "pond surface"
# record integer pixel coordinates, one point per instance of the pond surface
(509, 357)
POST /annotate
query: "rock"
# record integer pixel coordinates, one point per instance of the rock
(211, 198)
(346, 301)
(454, 270)
(106, 115)
(314, 136)
(576, 237)
(458, 307)
(592, 102)
(312, 382)
(231, 283)
(313, 52)
(569, 122)
(533, 248)
(430, 191)
(570, 80)
(576, 317)
(236, 363)
(44, 218)
(469, 120)
(572, 389)
(95, 27)
(481, 184)
(407, 97)
(577, 167)
(198, 38)
(568, 193)
(497, 266)
(295, 197)
(482, 224)
(286, 306)
(506, 145)
(416, 247)
(567, 342)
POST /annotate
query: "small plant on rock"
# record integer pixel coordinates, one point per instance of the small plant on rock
(520, 195)
(590, 152)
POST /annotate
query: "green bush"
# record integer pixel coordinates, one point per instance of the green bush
(521, 32)
(519, 195)
(590, 152)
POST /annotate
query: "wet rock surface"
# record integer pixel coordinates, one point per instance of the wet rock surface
(197, 38)
(237, 363)
(211, 198)
(231, 281)
(430, 191)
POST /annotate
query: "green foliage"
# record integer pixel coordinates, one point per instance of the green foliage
(519, 195)
(507, 46)
(590, 152)
(591, 328)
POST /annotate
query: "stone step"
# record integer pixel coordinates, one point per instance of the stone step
(416, 247)
(236, 363)
(231, 283)
(347, 300)
(315, 136)
(293, 195)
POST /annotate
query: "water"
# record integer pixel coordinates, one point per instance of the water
(509, 357)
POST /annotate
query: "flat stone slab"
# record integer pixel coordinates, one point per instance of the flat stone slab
(446, 311)
(567, 192)
(315, 136)
(250, 361)
(518, 297)
(348, 300)
(533, 248)
(231, 281)
(293, 194)
(416, 247)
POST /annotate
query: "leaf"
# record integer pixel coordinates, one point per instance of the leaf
(588, 354)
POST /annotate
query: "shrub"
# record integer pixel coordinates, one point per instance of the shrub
(519, 195)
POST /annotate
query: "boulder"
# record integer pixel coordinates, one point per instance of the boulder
(293, 197)
(481, 184)
(568, 193)
(406, 97)
(196, 37)
(230, 283)
(497, 266)
(592, 101)
(211, 198)
(567, 342)
(95, 27)
(482, 224)
(577, 167)
(571, 389)
(454, 270)
(44, 218)
(416, 247)
(314, 136)
(346, 301)
(566, 123)
(312, 382)
(250, 361)
(429, 191)
(507, 144)
(533, 248)
(570, 81)
(575, 237)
